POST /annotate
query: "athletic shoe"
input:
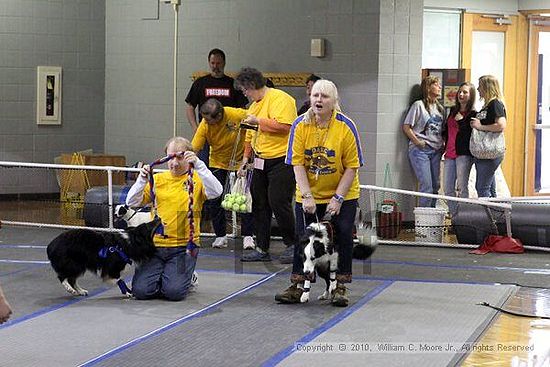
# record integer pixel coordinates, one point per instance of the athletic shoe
(194, 282)
(248, 243)
(287, 257)
(256, 255)
(220, 242)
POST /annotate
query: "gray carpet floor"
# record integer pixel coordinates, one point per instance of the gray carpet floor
(402, 294)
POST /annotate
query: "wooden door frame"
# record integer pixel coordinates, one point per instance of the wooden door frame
(534, 31)
(514, 88)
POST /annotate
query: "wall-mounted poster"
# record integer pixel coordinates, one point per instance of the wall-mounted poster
(450, 80)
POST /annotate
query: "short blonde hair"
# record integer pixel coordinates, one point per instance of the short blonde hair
(179, 142)
(327, 87)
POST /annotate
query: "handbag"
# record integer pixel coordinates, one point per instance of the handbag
(487, 144)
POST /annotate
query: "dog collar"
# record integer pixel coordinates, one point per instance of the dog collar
(104, 252)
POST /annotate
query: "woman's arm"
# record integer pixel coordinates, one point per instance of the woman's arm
(308, 202)
(412, 136)
(212, 187)
(5, 308)
(498, 126)
(135, 194)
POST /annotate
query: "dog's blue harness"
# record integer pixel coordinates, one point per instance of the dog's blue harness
(104, 252)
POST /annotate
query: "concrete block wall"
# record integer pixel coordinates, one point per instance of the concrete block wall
(400, 69)
(65, 33)
(269, 35)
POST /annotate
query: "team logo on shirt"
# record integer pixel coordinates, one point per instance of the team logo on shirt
(217, 92)
(318, 159)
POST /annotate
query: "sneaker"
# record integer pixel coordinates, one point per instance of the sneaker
(248, 243)
(194, 282)
(287, 257)
(340, 296)
(291, 295)
(256, 255)
(220, 242)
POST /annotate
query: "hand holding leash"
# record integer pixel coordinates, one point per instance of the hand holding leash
(333, 207)
(308, 205)
(250, 122)
(145, 171)
(190, 157)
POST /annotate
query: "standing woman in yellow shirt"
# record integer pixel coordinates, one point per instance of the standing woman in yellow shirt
(272, 111)
(325, 151)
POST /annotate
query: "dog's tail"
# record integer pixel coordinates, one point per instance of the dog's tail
(362, 252)
(368, 242)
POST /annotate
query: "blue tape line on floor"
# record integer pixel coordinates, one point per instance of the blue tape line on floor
(276, 359)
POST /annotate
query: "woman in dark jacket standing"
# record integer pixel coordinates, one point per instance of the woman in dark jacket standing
(458, 159)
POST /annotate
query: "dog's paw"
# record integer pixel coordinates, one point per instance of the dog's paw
(81, 291)
(304, 297)
(74, 291)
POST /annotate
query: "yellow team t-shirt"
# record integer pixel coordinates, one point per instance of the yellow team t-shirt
(277, 105)
(172, 197)
(325, 153)
(221, 137)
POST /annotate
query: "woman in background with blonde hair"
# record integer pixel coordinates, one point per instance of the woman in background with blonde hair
(492, 117)
(423, 126)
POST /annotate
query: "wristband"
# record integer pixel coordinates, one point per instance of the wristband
(307, 195)
(338, 198)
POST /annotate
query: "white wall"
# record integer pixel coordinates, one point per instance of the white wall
(477, 6)
(533, 4)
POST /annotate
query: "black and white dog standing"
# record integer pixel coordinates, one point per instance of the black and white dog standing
(104, 253)
(320, 255)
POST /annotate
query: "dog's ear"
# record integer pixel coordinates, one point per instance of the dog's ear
(121, 210)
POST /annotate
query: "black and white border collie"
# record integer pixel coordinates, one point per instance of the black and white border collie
(320, 255)
(104, 253)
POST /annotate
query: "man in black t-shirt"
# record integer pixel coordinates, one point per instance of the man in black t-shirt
(215, 85)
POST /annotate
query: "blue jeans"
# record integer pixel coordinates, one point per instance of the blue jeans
(485, 176)
(167, 275)
(343, 233)
(426, 166)
(456, 175)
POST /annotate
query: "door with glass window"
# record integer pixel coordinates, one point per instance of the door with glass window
(492, 44)
(538, 117)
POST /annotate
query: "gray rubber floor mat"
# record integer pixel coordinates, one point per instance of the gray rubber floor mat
(408, 315)
(246, 331)
(80, 331)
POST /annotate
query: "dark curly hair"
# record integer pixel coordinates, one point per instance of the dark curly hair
(250, 78)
